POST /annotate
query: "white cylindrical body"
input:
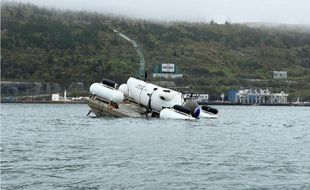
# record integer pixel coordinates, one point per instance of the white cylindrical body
(169, 113)
(106, 93)
(160, 98)
(124, 89)
(139, 89)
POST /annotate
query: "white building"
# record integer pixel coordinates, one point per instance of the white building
(166, 70)
(255, 96)
(280, 74)
(57, 97)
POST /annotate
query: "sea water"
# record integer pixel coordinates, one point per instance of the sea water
(47, 146)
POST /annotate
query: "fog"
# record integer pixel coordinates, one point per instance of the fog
(235, 11)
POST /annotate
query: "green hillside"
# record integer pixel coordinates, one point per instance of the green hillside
(48, 45)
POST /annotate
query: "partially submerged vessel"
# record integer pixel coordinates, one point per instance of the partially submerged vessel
(138, 98)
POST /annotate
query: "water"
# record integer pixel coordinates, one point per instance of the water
(58, 147)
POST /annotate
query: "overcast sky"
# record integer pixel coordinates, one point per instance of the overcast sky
(273, 11)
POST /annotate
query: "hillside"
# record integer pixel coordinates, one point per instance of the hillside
(39, 44)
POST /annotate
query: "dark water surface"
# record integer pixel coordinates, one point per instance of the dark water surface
(58, 147)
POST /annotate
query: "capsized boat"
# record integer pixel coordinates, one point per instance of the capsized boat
(138, 98)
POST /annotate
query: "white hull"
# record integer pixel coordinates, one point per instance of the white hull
(204, 114)
(169, 113)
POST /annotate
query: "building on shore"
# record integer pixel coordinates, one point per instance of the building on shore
(200, 98)
(166, 70)
(279, 74)
(255, 96)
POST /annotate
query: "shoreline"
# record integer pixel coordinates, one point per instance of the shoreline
(207, 103)
(43, 102)
(240, 104)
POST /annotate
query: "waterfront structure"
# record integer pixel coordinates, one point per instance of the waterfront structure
(201, 98)
(14, 88)
(255, 96)
(57, 97)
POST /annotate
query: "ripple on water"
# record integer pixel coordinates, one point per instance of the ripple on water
(57, 147)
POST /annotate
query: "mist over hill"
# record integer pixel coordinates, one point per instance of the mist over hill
(49, 45)
(280, 26)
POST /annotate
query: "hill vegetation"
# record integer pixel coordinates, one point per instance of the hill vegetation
(49, 45)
